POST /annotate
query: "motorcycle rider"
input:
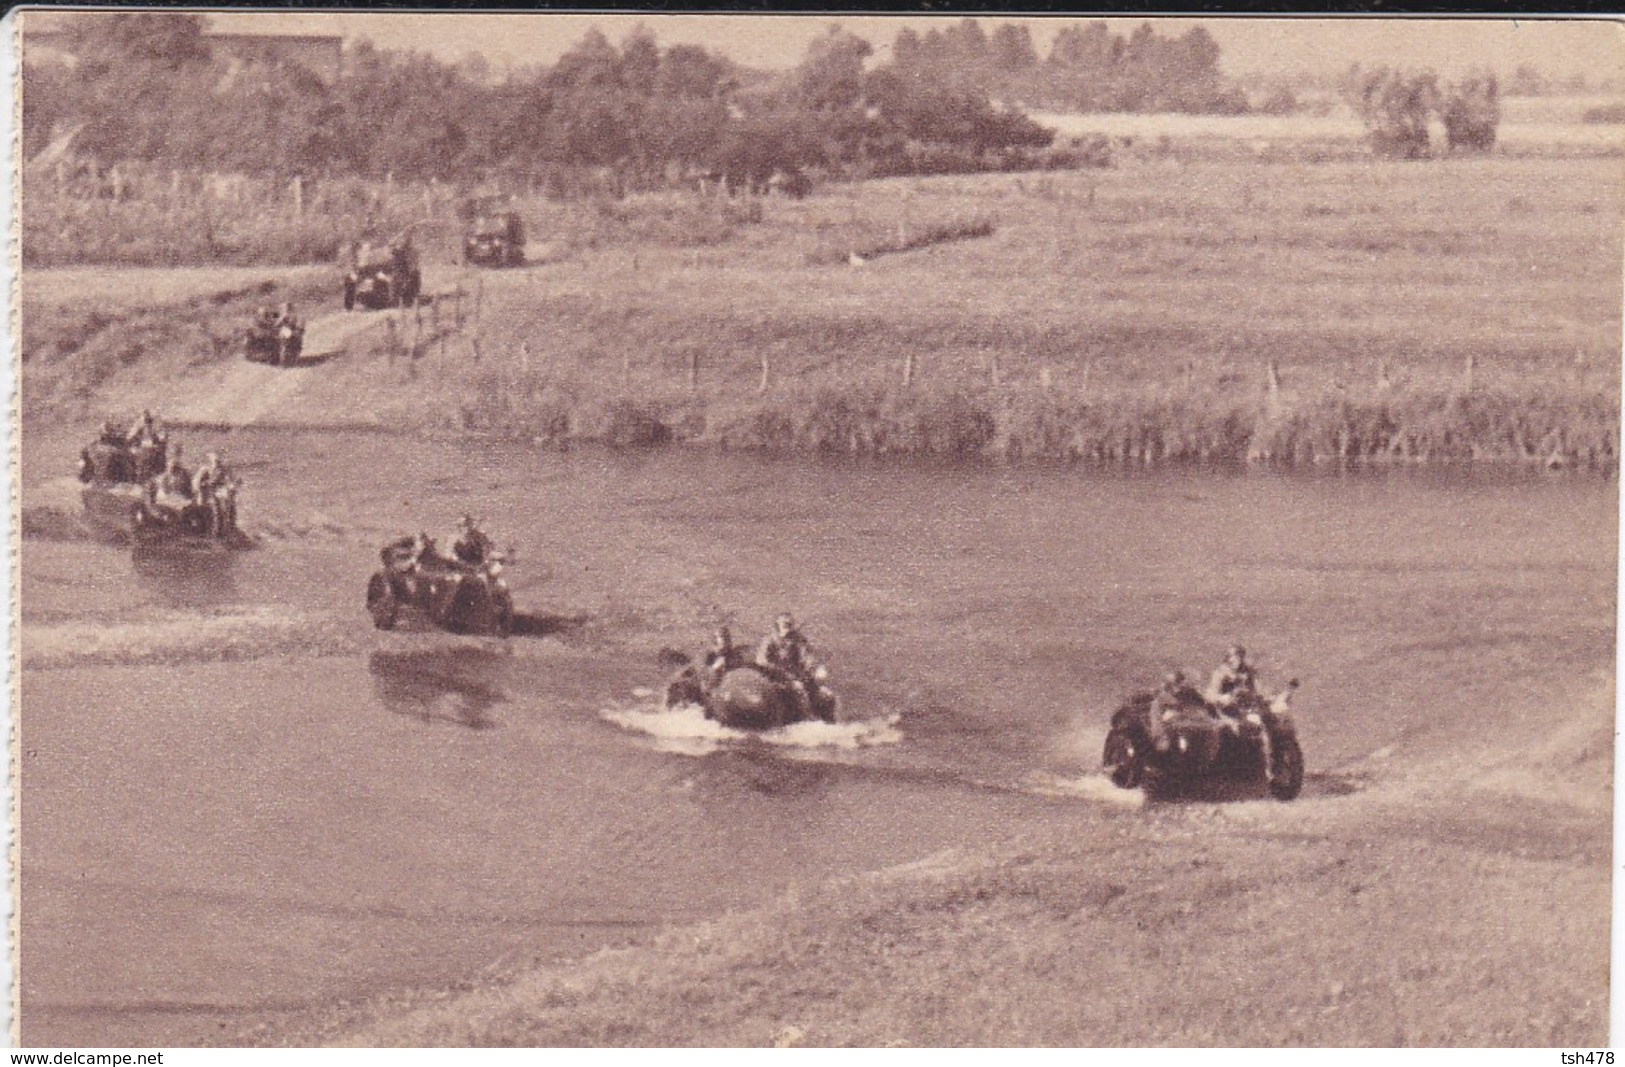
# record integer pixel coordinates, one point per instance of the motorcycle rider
(423, 551)
(173, 488)
(470, 544)
(722, 657)
(1175, 692)
(207, 489)
(145, 431)
(785, 649)
(1233, 687)
(785, 654)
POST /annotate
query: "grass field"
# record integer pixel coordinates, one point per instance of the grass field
(1146, 300)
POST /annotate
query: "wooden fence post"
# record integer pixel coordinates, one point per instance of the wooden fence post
(993, 369)
(694, 369)
(1467, 374)
(908, 370)
(298, 196)
(762, 387)
(1045, 379)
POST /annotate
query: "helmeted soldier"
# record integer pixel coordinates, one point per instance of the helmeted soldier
(470, 544)
(210, 487)
(722, 657)
(786, 649)
(176, 481)
(1234, 684)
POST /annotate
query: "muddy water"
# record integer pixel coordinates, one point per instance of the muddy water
(238, 800)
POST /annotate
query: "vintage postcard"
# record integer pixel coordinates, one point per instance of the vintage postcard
(646, 530)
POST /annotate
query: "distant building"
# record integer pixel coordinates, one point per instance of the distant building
(48, 37)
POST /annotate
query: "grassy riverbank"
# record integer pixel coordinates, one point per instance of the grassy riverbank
(1463, 309)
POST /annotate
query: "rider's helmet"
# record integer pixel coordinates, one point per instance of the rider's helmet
(722, 640)
(1236, 656)
(1174, 680)
(784, 624)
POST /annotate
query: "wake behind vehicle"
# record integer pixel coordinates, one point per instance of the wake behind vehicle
(274, 338)
(495, 239)
(386, 278)
(1185, 742)
(458, 595)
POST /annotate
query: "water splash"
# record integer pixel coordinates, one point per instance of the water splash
(685, 730)
(1096, 787)
(171, 636)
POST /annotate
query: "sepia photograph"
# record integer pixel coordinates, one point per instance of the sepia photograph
(672, 529)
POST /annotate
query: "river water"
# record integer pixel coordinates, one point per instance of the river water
(239, 800)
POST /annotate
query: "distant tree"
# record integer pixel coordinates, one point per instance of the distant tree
(163, 39)
(639, 65)
(692, 73)
(592, 64)
(1395, 106)
(1012, 49)
(1527, 81)
(830, 78)
(1471, 112)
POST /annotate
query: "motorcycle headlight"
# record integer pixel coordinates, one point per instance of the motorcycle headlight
(1184, 743)
(495, 568)
(1168, 715)
(1254, 718)
(820, 673)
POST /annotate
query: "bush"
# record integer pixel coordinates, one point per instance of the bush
(1607, 114)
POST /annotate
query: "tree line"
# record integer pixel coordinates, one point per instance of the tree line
(147, 86)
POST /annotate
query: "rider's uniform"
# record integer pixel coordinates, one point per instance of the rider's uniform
(788, 653)
(1229, 688)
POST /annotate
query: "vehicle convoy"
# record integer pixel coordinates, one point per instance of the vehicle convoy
(384, 278)
(1178, 739)
(274, 337)
(463, 592)
(495, 239)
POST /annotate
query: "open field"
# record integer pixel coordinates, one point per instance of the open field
(1454, 309)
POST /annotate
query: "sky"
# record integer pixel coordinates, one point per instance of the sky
(1250, 46)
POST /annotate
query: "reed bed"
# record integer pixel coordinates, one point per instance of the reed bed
(1183, 425)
